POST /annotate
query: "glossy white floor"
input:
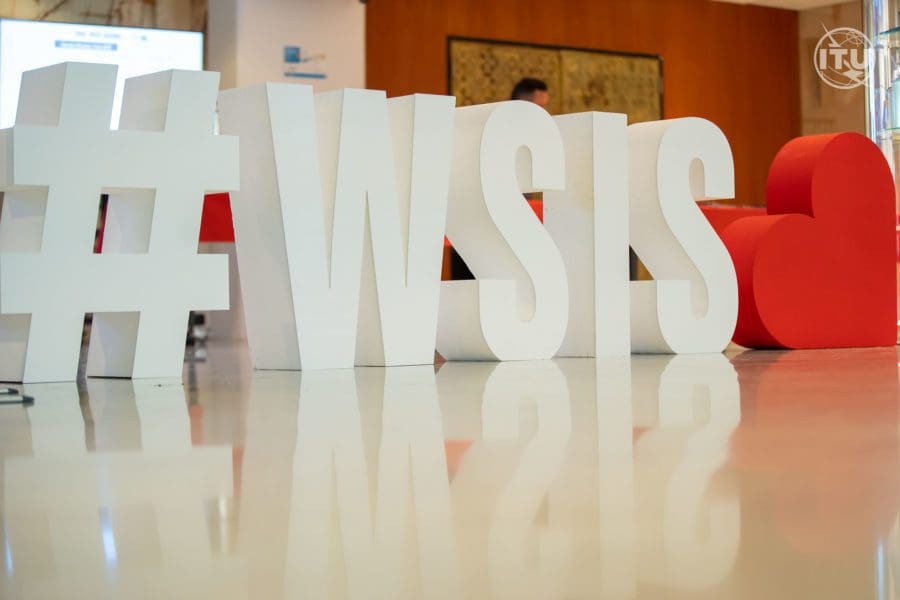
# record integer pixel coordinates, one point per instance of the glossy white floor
(755, 475)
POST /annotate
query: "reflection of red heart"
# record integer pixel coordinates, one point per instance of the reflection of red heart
(819, 271)
(818, 442)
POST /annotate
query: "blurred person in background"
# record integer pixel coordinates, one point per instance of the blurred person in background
(532, 90)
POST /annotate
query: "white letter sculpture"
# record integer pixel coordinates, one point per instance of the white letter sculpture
(321, 288)
(691, 307)
(589, 222)
(55, 162)
(518, 307)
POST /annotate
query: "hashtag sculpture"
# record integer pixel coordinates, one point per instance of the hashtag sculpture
(54, 165)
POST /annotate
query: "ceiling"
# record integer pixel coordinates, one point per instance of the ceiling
(791, 4)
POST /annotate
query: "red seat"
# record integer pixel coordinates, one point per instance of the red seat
(216, 225)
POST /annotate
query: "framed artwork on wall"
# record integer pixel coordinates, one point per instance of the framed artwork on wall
(481, 71)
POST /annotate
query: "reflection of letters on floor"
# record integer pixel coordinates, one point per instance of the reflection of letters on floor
(685, 446)
(139, 512)
(367, 528)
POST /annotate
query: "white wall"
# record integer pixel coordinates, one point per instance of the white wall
(247, 39)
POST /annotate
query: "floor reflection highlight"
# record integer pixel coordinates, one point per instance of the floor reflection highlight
(751, 475)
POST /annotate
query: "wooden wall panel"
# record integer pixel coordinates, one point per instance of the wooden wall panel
(734, 64)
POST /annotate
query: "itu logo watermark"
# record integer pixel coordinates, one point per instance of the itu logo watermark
(841, 58)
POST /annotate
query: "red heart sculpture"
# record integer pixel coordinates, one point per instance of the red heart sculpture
(820, 270)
